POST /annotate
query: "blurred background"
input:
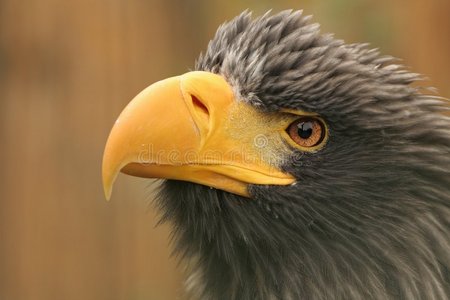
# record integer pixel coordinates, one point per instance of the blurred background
(67, 68)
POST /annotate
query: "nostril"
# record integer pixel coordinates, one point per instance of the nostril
(200, 109)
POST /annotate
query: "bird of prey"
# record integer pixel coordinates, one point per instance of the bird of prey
(296, 166)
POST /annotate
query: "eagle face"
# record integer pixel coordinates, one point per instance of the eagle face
(325, 174)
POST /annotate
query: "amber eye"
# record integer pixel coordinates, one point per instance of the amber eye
(307, 131)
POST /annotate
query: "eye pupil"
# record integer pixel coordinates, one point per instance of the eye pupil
(305, 129)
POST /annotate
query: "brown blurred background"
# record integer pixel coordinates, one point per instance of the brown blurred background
(67, 68)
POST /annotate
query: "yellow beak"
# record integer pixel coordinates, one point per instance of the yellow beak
(182, 128)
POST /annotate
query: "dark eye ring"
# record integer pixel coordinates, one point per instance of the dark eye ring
(307, 132)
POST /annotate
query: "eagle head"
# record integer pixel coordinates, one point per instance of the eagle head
(296, 167)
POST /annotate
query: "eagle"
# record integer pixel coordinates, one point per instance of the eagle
(295, 166)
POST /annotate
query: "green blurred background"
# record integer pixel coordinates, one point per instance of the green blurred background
(67, 68)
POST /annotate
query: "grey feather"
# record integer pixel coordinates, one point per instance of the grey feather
(369, 217)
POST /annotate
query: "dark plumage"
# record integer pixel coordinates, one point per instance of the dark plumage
(369, 215)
